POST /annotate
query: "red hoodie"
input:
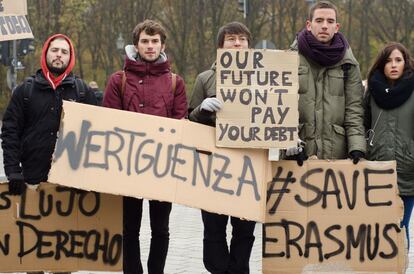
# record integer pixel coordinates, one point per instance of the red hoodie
(55, 81)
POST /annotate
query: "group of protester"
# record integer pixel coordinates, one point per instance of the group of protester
(337, 120)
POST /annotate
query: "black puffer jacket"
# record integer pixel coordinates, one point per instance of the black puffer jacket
(29, 129)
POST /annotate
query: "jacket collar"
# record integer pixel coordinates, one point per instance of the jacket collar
(134, 63)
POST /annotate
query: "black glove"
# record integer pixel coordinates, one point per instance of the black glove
(356, 155)
(299, 158)
(16, 184)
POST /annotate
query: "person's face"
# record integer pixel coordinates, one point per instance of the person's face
(323, 25)
(58, 56)
(235, 41)
(394, 66)
(149, 47)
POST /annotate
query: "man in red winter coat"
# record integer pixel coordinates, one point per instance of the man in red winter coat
(146, 86)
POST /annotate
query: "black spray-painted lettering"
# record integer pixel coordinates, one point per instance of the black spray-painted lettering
(248, 168)
(369, 187)
(68, 144)
(5, 245)
(241, 64)
(56, 244)
(365, 238)
(176, 161)
(279, 133)
(280, 92)
(5, 201)
(198, 168)
(50, 203)
(312, 230)
(269, 115)
(222, 174)
(250, 77)
(132, 135)
(245, 134)
(246, 96)
(331, 181)
(280, 192)
(285, 78)
(229, 95)
(145, 155)
(257, 57)
(226, 59)
(330, 236)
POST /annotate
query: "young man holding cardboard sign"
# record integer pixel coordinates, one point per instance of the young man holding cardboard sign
(217, 257)
(330, 90)
(146, 86)
(32, 118)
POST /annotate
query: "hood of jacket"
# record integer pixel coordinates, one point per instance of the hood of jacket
(348, 57)
(135, 64)
(43, 82)
(53, 80)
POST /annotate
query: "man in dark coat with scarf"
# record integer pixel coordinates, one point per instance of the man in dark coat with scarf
(32, 117)
(330, 91)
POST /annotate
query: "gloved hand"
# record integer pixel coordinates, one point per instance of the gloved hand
(297, 153)
(16, 184)
(356, 155)
(211, 104)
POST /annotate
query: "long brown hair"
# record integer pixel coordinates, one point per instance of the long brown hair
(383, 55)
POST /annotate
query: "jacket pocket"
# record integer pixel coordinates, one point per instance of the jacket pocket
(336, 82)
(338, 141)
(303, 73)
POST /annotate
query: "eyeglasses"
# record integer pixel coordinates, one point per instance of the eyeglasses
(234, 38)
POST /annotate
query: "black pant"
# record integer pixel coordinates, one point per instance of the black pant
(160, 236)
(216, 256)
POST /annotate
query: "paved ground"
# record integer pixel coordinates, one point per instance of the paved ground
(185, 253)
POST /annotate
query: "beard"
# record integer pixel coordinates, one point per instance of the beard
(56, 70)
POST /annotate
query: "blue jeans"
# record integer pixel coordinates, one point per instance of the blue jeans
(408, 208)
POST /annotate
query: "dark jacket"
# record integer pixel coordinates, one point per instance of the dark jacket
(148, 89)
(393, 139)
(204, 87)
(29, 128)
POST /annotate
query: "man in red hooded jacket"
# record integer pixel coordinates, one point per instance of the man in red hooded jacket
(32, 118)
(146, 86)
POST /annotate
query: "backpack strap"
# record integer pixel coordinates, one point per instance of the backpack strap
(174, 82)
(123, 84)
(122, 89)
(81, 89)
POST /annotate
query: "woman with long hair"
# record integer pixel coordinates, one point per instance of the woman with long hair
(389, 113)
